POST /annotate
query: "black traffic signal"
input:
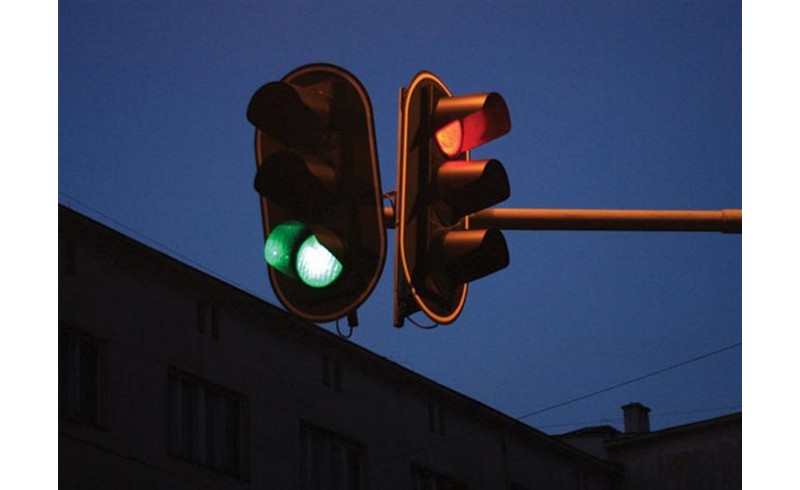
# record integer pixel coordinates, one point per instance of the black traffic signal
(321, 199)
(438, 252)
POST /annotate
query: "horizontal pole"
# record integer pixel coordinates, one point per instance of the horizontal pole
(725, 220)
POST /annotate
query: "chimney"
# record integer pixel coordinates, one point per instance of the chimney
(637, 418)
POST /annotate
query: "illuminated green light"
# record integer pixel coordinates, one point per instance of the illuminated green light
(281, 245)
(316, 265)
(293, 250)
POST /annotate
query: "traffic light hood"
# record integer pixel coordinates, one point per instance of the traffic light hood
(297, 116)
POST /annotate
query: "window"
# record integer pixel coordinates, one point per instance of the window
(66, 257)
(330, 461)
(80, 375)
(436, 421)
(207, 319)
(425, 479)
(208, 425)
(581, 481)
(331, 374)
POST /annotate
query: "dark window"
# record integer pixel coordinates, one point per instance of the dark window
(425, 479)
(331, 374)
(330, 461)
(202, 318)
(581, 482)
(66, 257)
(208, 424)
(80, 370)
(436, 421)
(337, 376)
(326, 372)
(214, 322)
(207, 319)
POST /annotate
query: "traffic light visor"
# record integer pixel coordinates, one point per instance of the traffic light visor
(296, 116)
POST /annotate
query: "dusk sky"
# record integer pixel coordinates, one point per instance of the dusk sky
(614, 105)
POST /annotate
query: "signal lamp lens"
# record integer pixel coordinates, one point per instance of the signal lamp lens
(449, 137)
(282, 243)
(316, 265)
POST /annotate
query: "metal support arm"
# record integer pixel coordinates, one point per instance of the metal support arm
(725, 220)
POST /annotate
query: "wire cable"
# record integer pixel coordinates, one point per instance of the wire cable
(460, 437)
(633, 380)
(424, 327)
(391, 196)
(145, 239)
(586, 423)
(341, 334)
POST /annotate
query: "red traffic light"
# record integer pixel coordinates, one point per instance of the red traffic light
(468, 121)
(438, 188)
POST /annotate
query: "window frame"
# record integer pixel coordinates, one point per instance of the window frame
(436, 420)
(320, 448)
(332, 374)
(207, 318)
(221, 441)
(80, 402)
(424, 478)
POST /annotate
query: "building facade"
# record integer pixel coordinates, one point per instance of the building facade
(705, 455)
(172, 379)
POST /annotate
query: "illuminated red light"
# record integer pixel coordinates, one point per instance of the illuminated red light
(461, 135)
(450, 138)
(475, 130)
(469, 121)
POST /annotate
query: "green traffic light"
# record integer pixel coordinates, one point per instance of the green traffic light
(293, 250)
(282, 245)
(316, 265)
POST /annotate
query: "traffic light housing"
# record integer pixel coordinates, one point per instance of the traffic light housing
(438, 253)
(320, 191)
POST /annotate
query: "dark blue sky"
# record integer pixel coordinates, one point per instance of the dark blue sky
(613, 105)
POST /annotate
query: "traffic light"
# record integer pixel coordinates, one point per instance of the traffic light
(321, 199)
(438, 252)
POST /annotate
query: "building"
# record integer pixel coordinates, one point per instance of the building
(172, 379)
(705, 455)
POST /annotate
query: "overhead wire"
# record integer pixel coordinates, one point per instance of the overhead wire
(585, 423)
(342, 334)
(460, 437)
(633, 380)
(158, 245)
